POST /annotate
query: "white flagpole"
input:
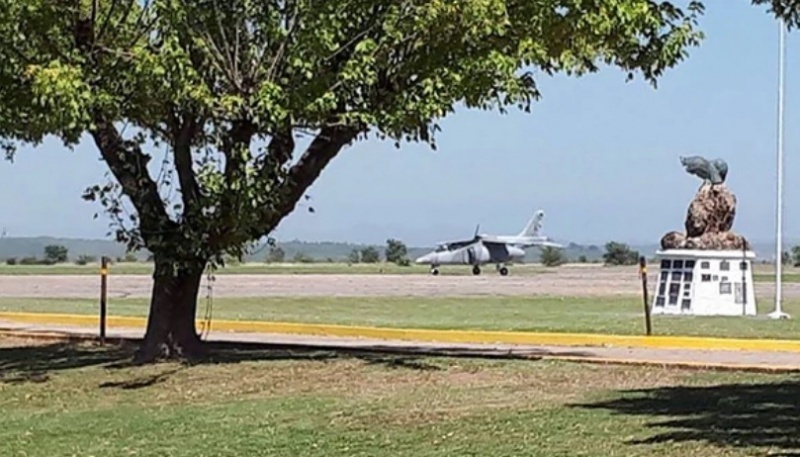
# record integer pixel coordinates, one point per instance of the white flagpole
(778, 312)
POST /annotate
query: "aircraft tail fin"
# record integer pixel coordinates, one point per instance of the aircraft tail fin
(534, 225)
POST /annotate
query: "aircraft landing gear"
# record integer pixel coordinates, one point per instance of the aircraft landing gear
(434, 271)
(503, 271)
(476, 270)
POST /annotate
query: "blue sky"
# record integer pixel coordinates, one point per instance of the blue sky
(599, 155)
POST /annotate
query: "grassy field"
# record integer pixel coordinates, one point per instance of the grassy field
(261, 268)
(606, 315)
(68, 400)
(761, 273)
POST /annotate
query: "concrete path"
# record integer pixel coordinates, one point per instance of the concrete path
(713, 359)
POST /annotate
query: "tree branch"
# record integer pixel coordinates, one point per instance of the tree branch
(292, 25)
(281, 145)
(236, 148)
(129, 165)
(235, 142)
(320, 152)
(183, 130)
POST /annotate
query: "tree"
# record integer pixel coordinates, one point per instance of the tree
(396, 252)
(55, 253)
(354, 256)
(796, 256)
(276, 254)
(224, 90)
(552, 257)
(84, 259)
(370, 255)
(620, 254)
(302, 257)
(789, 10)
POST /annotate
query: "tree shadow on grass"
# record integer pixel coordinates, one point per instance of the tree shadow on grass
(21, 364)
(736, 415)
(37, 363)
(408, 356)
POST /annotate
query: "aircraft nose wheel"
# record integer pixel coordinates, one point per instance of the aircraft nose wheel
(503, 271)
(476, 270)
(434, 271)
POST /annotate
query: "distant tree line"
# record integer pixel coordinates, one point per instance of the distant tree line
(53, 254)
(394, 251)
(58, 254)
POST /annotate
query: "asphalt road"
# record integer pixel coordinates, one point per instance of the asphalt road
(560, 282)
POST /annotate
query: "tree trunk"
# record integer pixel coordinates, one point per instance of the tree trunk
(171, 331)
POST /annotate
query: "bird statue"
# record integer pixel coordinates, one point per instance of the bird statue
(711, 171)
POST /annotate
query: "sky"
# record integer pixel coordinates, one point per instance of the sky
(598, 154)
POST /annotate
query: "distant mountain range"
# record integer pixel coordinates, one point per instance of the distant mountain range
(20, 247)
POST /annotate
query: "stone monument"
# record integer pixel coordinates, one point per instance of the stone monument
(706, 270)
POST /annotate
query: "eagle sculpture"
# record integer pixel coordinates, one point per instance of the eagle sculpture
(712, 171)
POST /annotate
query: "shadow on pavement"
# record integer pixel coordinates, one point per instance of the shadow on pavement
(36, 363)
(734, 415)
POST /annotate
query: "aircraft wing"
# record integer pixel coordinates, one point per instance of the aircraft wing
(550, 244)
(457, 244)
(496, 248)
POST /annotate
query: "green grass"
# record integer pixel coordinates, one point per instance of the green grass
(609, 315)
(770, 277)
(141, 268)
(63, 400)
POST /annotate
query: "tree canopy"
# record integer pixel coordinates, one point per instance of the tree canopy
(229, 90)
(788, 10)
(208, 79)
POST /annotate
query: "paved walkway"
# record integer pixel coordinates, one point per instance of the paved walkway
(718, 359)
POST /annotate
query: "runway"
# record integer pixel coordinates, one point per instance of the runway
(572, 282)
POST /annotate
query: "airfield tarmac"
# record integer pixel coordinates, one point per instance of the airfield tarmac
(567, 281)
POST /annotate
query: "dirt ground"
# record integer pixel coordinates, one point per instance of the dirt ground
(565, 281)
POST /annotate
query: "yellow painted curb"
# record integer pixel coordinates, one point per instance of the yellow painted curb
(442, 336)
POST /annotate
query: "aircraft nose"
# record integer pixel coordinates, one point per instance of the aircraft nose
(423, 259)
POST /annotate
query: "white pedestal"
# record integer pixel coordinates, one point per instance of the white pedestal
(705, 283)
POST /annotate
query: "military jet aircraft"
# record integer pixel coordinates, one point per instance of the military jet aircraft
(529, 236)
(484, 248)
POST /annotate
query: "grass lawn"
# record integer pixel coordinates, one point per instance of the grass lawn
(69, 400)
(549, 314)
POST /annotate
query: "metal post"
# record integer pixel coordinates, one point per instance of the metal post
(103, 297)
(743, 267)
(643, 273)
(778, 312)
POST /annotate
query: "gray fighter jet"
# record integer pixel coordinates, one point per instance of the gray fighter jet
(483, 249)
